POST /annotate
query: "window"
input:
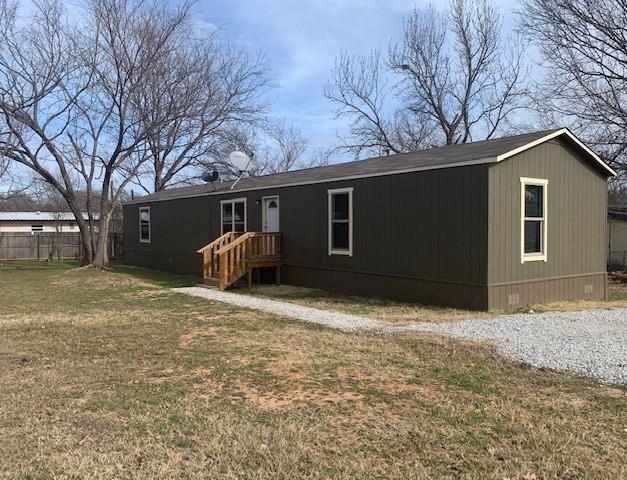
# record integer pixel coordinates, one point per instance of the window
(341, 221)
(36, 228)
(533, 222)
(144, 224)
(233, 215)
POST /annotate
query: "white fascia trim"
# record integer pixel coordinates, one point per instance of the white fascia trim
(330, 194)
(229, 200)
(534, 257)
(557, 133)
(480, 161)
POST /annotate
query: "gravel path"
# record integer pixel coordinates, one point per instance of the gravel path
(590, 342)
(338, 321)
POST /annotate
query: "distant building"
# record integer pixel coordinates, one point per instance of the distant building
(34, 222)
(617, 233)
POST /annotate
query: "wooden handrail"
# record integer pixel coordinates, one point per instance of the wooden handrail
(241, 239)
(229, 256)
(209, 253)
(220, 240)
(235, 256)
(245, 237)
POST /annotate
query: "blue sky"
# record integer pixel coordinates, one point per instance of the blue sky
(301, 40)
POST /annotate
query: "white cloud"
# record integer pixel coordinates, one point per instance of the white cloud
(302, 38)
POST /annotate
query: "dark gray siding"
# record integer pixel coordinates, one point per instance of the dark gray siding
(178, 229)
(419, 236)
(576, 244)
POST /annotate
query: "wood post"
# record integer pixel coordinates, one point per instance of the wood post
(222, 272)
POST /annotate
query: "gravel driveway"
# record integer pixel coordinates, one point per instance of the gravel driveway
(590, 342)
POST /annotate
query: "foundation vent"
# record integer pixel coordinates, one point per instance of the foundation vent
(513, 299)
(588, 288)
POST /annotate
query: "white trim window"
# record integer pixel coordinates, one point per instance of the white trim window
(233, 215)
(144, 225)
(533, 219)
(341, 221)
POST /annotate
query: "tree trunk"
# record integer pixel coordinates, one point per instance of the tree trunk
(87, 252)
(85, 234)
(101, 257)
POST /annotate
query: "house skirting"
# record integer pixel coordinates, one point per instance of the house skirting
(503, 296)
(395, 287)
(498, 296)
(513, 295)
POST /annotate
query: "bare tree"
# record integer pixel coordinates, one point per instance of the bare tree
(39, 82)
(243, 137)
(274, 146)
(4, 168)
(8, 189)
(281, 147)
(360, 89)
(213, 91)
(585, 53)
(284, 149)
(453, 75)
(17, 202)
(71, 98)
(617, 196)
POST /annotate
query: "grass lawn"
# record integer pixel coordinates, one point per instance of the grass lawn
(110, 374)
(400, 312)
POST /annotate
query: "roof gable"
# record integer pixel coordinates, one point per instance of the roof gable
(562, 132)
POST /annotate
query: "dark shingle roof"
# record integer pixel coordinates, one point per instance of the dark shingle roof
(451, 155)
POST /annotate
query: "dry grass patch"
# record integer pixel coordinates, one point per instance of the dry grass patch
(135, 381)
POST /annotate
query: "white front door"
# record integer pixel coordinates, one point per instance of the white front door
(271, 214)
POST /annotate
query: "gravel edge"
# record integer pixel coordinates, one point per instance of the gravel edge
(589, 342)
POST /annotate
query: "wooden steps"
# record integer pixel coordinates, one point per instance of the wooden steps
(235, 255)
(211, 281)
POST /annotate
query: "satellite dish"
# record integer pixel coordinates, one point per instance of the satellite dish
(210, 177)
(239, 160)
